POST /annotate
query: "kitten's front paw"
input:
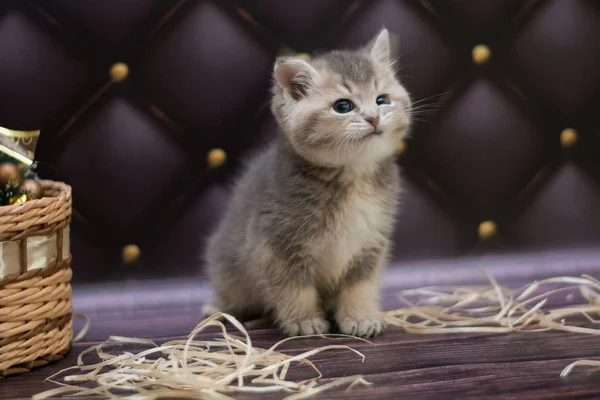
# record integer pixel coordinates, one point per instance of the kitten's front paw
(306, 326)
(364, 326)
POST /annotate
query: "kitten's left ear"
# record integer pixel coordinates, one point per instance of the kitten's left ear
(379, 48)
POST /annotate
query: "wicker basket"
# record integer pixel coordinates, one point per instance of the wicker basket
(35, 289)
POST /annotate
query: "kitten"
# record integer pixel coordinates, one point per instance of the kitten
(308, 228)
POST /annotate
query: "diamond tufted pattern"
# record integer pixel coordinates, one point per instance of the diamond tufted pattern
(485, 144)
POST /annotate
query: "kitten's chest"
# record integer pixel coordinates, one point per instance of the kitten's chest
(361, 220)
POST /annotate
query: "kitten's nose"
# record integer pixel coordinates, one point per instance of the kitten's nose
(373, 121)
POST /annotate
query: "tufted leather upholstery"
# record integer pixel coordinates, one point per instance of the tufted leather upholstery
(486, 145)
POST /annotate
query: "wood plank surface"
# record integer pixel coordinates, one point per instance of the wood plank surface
(399, 365)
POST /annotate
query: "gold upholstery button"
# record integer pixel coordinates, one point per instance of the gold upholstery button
(487, 229)
(303, 56)
(481, 54)
(216, 158)
(568, 137)
(400, 148)
(119, 72)
(130, 253)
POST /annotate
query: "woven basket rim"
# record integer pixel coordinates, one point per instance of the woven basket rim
(46, 183)
(37, 217)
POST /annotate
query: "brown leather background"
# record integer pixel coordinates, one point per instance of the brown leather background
(486, 147)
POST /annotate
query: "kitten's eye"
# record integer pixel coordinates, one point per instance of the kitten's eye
(343, 106)
(383, 99)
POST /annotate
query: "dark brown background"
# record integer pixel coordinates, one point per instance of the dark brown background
(135, 151)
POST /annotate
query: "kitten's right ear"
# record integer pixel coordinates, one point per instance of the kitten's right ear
(295, 76)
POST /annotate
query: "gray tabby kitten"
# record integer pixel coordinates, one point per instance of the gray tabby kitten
(307, 230)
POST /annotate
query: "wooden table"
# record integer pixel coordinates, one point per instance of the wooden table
(400, 365)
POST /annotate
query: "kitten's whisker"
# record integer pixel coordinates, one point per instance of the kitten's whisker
(397, 68)
(425, 109)
(336, 151)
(428, 98)
(423, 115)
(422, 121)
(347, 144)
(338, 147)
(432, 106)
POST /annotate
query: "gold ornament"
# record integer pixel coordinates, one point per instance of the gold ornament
(130, 253)
(22, 199)
(23, 168)
(216, 158)
(9, 174)
(487, 229)
(304, 56)
(400, 147)
(568, 137)
(33, 188)
(481, 54)
(119, 72)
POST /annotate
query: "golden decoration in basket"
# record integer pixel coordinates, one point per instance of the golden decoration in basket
(35, 274)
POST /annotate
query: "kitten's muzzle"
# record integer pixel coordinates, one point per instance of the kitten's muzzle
(374, 121)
